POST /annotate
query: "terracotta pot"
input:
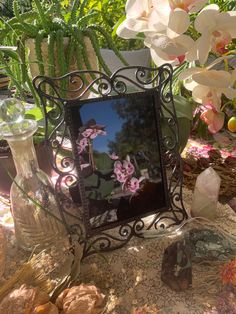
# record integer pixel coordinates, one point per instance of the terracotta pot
(34, 68)
(7, 160)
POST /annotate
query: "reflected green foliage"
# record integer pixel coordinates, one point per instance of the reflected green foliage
(137, 132)
(100, 184)
(138, 129)
(103, 162)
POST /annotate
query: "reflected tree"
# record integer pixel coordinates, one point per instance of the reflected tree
(137, 136)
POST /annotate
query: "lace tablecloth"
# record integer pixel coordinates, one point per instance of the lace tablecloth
(130, 276)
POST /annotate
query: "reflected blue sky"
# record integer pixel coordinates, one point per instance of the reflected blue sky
(104, 113)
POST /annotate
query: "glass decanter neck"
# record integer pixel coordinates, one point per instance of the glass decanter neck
(24, 156)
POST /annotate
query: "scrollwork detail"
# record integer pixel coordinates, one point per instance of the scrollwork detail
(125, 230)
(104, 87)
(119, 87)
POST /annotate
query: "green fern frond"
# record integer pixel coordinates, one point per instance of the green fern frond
(38, 49)
(109, 42)
(91, 35)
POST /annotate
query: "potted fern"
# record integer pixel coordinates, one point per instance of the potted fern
(53, 38)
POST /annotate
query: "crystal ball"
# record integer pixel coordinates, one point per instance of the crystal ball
(11, 111)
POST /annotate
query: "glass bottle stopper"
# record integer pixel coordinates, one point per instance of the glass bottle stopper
(12, 120)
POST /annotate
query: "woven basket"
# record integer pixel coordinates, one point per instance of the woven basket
(34, 68)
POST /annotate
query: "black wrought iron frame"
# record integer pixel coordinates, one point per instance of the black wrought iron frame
(55, 95)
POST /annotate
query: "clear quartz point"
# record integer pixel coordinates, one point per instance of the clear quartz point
(34, 205)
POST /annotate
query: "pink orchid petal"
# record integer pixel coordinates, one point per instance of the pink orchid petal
(128, 167)
(113, 156)
(121, 177)
(101, 132)
(218, 123)
(214, 120)
(133, 185)
(118, 165)
(93, 135)
(207, 116)
(87, 132)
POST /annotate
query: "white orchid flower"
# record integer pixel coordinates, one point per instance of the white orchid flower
(164, 23)
(171, 45)
(137, 18)
(168, 21)
(190, 6)
(207, 86)
(217, 29)
(174, 15)
(164, 49)
(198, 80)
(168, 17)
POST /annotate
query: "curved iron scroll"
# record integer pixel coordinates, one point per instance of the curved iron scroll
(56, 93)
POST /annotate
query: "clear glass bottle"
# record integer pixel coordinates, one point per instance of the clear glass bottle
(31, 192)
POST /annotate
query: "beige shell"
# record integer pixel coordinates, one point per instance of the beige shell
(2, 251)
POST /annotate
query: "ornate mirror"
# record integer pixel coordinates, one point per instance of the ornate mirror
(116, 152)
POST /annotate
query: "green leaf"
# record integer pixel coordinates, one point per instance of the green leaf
(12, 54)
(183, 107)
(117, 25)
(36, 113)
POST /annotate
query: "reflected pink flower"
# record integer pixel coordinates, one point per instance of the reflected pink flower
(87, 132)
(123, 172)
(118, 167)
(128, 167)
(121, 177)
(97, 132)
(83, 144)
(93, 133)
(101, 132)
(113, 156)
(133, 185)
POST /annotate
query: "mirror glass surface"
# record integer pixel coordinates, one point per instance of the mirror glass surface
(118, 148)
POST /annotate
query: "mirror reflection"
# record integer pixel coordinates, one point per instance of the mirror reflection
(118, 148)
